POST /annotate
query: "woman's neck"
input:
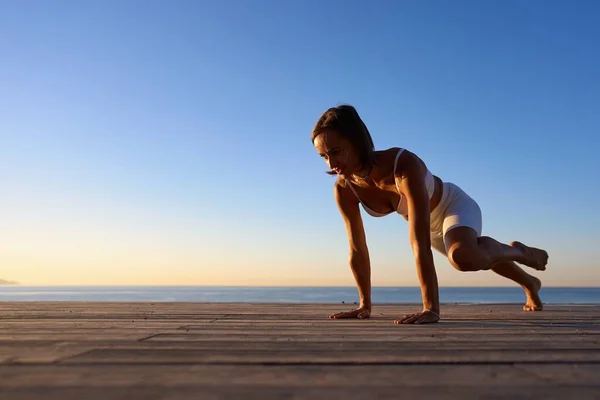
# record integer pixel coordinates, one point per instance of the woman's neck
(363, 175)
(368, 174)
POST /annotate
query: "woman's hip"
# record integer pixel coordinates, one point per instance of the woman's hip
(456, 208)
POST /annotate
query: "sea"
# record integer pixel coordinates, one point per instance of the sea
(270, 294)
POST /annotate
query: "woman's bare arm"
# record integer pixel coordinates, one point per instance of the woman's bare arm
(412, 182)
(359, 254)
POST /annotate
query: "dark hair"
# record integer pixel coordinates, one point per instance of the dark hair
(345, 120)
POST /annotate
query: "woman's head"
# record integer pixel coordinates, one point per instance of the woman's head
(343, 140)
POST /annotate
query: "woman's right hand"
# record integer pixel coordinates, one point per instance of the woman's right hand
(360, 313)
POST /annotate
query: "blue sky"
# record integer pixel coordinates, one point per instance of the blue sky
(169, 142)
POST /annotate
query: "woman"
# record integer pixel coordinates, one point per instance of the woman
(439, 215)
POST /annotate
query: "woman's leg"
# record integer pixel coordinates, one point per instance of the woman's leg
(488, 255)
(508, 269)
(529, 283)
(469, 252)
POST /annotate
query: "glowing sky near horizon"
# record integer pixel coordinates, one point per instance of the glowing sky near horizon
(160, 143)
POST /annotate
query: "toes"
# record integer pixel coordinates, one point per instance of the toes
(543, 261)
(538, 258)
(532, 307)
(405, 319)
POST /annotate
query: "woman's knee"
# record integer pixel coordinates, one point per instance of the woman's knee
(467, 257)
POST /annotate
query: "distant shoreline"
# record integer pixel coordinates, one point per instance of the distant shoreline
(331, 295)
(306, 287)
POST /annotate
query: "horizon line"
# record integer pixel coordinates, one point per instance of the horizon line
(283, 286)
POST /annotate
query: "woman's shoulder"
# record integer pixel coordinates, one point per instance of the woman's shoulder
(409, 164)
(344, 195)
(341, 184)
(397, 156)
(398, 161)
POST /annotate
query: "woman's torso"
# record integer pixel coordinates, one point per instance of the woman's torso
(382, 195)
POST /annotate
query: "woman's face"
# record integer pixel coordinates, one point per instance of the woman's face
(339, 154)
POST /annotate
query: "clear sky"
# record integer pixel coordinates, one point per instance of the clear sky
(156, 142)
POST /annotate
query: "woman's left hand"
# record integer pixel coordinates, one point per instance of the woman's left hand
(424, 317)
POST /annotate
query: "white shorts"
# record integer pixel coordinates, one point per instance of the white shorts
(456, 208)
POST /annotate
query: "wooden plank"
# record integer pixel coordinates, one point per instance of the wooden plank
(225, 392)
(53, 324)
(314, 346)
(393, 344)
(247, 355)
(472, 340)
(40, 317)
(310, 346)
(41, 353)
(256, 375)
(574, 374)
(74, 336)
(414, 330)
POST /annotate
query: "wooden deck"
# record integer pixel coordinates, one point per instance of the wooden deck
(264, 351)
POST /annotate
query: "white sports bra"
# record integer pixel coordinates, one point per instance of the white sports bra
(402, 206)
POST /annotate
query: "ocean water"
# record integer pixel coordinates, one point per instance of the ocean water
(219, 294)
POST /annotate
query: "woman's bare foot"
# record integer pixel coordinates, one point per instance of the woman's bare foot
(534, 303)
(532, 257)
